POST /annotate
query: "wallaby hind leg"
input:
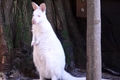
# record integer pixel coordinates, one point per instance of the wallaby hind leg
(54, 78)
(41, 78)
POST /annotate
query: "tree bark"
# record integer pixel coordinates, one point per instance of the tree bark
(6, 22)
(75, 35)
(15, 49)
(93, 40)
(3, 50)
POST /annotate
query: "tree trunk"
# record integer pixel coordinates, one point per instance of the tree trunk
(6, 24)
(93, 40)
(15, 20)
(2, 49)
(75, 35)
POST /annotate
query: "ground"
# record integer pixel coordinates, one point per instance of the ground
(17, 76)
(110, 76)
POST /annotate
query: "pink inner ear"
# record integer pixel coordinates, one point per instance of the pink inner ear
(34, 5)
(43, 7)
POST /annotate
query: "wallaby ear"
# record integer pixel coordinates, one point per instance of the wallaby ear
(34, 5)
(43, 7)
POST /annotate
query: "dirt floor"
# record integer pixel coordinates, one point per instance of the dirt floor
(17, 76)
(110, 76)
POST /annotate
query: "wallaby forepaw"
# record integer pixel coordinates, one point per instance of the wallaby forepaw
(36, 43)
(32, 43)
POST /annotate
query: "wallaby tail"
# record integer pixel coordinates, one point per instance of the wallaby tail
(67, 76)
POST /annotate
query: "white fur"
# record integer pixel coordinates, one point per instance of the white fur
(48, 54)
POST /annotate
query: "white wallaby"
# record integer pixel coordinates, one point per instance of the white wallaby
(48, 54)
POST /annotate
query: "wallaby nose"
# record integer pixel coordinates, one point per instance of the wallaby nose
(33, 21)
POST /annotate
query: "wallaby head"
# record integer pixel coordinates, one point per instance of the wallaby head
(39, 13)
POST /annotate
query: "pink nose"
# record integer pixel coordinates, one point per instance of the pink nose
(33, 21)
